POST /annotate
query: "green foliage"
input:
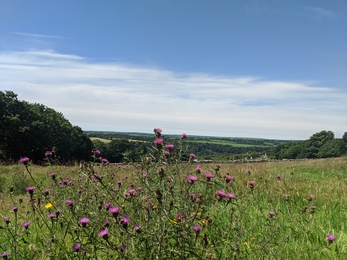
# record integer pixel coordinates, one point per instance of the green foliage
(316, 141)
(332, 148)
(320, 145)
(117, 148)
(19, 182)
(32, 129)
(344, 137)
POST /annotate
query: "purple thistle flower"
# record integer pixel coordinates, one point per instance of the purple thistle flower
(179, 216)
(97, 177)
(122, 249)
(69, 203)
(248, 171)
(137, 228)
(4, 255)
(53, 175)
(76, 247)
(119, 182)
(30, 190)
(114, 211)
(46, 192)
(278, 177)
(220, 193)
(208, 176)
(104, 161)
(229, 179)
(124, 220)
(106, 223)
(271, 214)
(52, 216)
(7, 220)
(184, 136)
(192, 179)
(197, 229)
(170, 146)
(103, 233)
(192, 156)
(331, 238)
(96, 152)
(107, 205)
(166, 153)
(251, 184)
(15, 208)
(131, 192)
(26, 224)
(159, 142)
(48, 154)
(157, 130)
(230, 196)
(198, 168)
(84, 221)
(24, 160)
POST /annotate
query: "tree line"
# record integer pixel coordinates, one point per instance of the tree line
(320, 145)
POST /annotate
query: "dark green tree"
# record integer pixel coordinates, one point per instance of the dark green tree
(332, 148)
(316, 141)
(32, 129)
(344, 137)
(344, 140)
(117, 148)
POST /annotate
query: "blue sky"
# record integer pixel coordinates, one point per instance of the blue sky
(269, 69)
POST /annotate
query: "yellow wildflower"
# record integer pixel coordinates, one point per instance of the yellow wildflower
(173, 221)
(203, 222)
(48, 205)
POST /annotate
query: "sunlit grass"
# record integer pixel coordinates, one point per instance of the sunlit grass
(285, 213)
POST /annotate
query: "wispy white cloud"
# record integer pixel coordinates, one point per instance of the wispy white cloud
(123, 97)
(34, 35)
(320, 12)
(31, 41)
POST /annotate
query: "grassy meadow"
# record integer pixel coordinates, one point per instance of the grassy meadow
(225, 142)
(100, 139)
(159, 208)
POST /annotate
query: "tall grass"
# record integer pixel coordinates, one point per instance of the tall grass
(160, 208)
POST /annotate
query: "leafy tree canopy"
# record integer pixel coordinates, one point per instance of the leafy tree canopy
(32, 129)
(320, 145)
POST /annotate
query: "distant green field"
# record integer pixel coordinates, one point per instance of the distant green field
(100, 139)
(220, 142)
(108, 141)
